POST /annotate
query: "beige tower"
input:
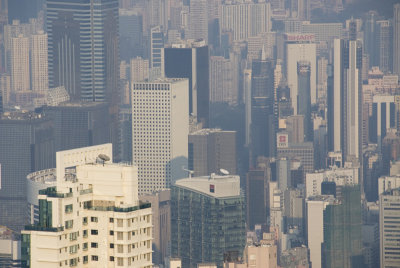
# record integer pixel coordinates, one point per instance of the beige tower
(39, 62)
(20, 63)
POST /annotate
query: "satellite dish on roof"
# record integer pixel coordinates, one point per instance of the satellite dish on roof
(104, 157)
(224, 171)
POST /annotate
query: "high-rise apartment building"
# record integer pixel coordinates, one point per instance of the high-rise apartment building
(207, 219)
(39, 62)
(26, 145)
(83, 48)
(139, 69)
(396, 39)
(389, 216)
(300, 47)
(92, 216)
(160, 128)
(20, 67)
(193, 64)
(211, 150)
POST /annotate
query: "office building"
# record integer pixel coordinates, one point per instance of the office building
(315, 207)
(26, 145)
(160, 128)
(370, 38)
(194, 65)
(384, 45)
(198, 16)
(304, 152)
(161, 219)
(342, 246)
(211, 150)
(139, 70)
(79, 124)
(202, 226)
(10, 244)
(94, 210)
(396, 39)
(261, 256)
(345, 105)
(20, 67)
(389, 216)
(83, 48)
(257, 193)
(39, 62)
(300, 47)
(224, 84)
(383, 118)
(323, 32)
(304, 98)
(156, 47)
(131, 34)
(263, 119)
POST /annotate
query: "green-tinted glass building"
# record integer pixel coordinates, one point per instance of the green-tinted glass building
(342, 246)
(207, 219)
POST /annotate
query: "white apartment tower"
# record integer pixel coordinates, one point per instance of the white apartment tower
(160, 128)
(92, 217)
(39, 62)
(20, 73)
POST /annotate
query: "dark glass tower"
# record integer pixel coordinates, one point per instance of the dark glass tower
(263, 120)
(342, 246)
(304, 97)
(192, 63)
(26, 145)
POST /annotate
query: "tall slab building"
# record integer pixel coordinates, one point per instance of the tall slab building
(160, 128)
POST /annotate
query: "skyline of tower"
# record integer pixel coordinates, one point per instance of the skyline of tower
(39, 62)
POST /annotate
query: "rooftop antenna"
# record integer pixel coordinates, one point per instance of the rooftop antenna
(104, 158)
(190, 172)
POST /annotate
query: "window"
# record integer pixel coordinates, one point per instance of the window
(69, 224)
(94, 219)
(85, 246)
(111, 232)
(120, 249)
(73, 236)
(84, 221)
(111, 258)
(111, 220)
(120, 262)
(85, 233)
(111, 245)
(94, 245)
(73, 249)
(94, 232)
(120, 223)
(120, 235)
(85, 259)
(73, 262)
(68, 208)
(95, 258)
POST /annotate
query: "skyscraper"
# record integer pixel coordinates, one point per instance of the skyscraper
(304, 97)
(384, 45)
(211, 150)
(207, 219)
(26, 145)
(156, 47)
(198, 28)
(342, 246)
(370, 38)
(345, 101)
(263, 119)
(20, 68)
(396, 39)
(83, 48)
(160, 128)
(194, 65)
(389, 216)
(39, 62)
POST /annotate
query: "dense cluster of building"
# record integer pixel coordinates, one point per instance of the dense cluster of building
(202, 133)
